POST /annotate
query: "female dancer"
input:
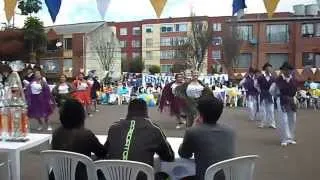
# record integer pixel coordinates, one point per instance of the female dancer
(169, 98)
(191, 92)
(40, 101)
(63, 90)
(285, 87)
(82, 92)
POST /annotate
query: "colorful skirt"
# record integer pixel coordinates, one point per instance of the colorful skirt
(83, 97)
(40, 106)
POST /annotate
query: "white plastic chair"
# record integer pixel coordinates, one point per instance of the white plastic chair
(5, 173)
(63, 164)
(240, 168)
(123, 170)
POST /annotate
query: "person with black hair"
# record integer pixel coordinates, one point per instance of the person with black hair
(62, 90)
(207, 140)
(137, 138)
(72, 136)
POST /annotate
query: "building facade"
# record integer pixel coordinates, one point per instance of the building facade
(285, 37)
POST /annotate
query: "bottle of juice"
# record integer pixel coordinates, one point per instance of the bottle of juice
(1, 123)
(10, 122)
(4, 121)
(24, 126)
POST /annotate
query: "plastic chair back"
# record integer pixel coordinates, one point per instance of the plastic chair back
(5, 171)
(240, 168)
(64, 165)
(123, 170)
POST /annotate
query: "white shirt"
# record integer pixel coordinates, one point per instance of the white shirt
(194, 90)
(173, 88)
(63, 89)
(36, 87)
(82, 86)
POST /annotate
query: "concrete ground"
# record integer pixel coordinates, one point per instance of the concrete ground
(294, 162)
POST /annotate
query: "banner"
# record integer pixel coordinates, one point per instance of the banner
(9, 7)
(158, 6)
(238, 7)
(163, 80)
(54, 8)
(102, 6)
(271, 6)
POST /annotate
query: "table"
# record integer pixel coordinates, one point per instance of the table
(14, 148)
(178, 169)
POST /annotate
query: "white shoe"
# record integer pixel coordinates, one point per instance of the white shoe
(291, 142)
(178, 126)
(284, 144)
(273, 126)
(40, 128)
(97, 110)
(260, 126)
(90, 115)
(49, 128)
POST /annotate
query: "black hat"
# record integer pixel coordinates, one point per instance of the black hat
(286, 66)
(266, 65)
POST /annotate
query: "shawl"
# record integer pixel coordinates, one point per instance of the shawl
(45, 92)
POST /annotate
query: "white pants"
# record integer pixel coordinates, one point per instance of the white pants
(286, 123)
(252, 108)
(267, 109)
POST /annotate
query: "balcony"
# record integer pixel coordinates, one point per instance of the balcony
(67, 53)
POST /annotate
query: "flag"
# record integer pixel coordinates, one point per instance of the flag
(9, 7)
(102, 6)
(271, 6)
(53, 7)
(158, 6)
(238, 7)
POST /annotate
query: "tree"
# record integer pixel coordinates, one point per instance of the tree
(136, 65)
(178, 68)
(231, 45)
(154, 69)
(28, 7)
(34, 35)
(104, 43)
(196, 45)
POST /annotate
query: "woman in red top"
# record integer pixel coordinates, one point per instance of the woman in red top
(82, 92)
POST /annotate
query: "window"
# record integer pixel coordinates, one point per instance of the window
(167, 54)
(149, 55)
(199, 26)
(166, 68)
(67, 67)
(136, 43)
(278, 33)
(181, 27)
(167, 28)
(51, 66)
(136, 31)
(216, 27)
(310, 30)
(149, 29)
(216, 41)
(311, 60)
(135, 55)
(245, 32)
(243, 61)
(149, 42)
(216, 54)
(277, 59)
(173, 41)
(165, 41)
(68, 43)
(123, 31)
(123, 44)
(124, 56)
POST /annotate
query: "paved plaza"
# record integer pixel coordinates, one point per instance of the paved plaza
(294, 162)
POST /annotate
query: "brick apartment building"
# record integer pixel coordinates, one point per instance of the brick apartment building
(285, 37)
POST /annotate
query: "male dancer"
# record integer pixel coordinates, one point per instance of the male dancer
(251, 93)
(285, 87)
(266, 100)
(169, 98)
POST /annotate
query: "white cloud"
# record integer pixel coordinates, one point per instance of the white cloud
(76, 11)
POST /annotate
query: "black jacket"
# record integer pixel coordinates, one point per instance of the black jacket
(137, 140)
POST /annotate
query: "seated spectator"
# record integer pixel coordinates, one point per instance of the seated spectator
(208, 141)
(136, 138)
(72, 136)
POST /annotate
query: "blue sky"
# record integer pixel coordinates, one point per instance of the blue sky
(76, 11)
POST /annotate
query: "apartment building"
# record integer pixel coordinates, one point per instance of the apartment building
(285, 37)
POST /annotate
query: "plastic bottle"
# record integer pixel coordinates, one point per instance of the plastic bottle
(24, 126)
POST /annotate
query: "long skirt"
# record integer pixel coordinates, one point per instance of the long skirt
(39, 106)
(83, 97)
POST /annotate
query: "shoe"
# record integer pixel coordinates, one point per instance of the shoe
(291, 142)
(273, 126)
(90, 115)
(284, 144)
(261, 126)
(97, 110)
(49, 128)
(178, 126)
(40, 128)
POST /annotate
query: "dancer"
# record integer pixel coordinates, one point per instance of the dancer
(251, 93)
(29, 77)
(285, 87)
(82, 92)
(266, 100)
(40, 101)
(169, 98)
(191, 92)
(62, 91)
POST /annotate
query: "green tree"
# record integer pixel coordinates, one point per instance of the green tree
(154, 69)
(28, 7)
(136, 65)
(34, 35)
(178, 68)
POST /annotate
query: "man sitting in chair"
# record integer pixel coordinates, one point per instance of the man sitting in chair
(208, 141)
